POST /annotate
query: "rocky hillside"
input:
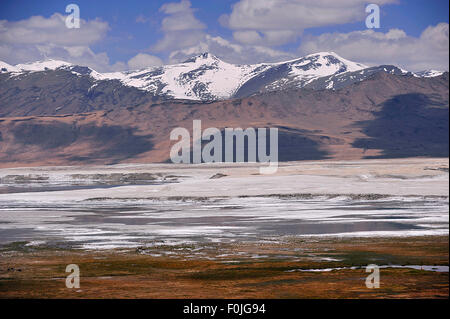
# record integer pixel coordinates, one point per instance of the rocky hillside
(57, 87)
(377, 113)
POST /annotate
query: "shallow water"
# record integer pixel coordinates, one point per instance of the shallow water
(105, 224)
(415, 267)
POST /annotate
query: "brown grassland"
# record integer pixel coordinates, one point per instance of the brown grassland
(141, 273)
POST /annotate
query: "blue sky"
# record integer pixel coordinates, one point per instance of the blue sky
(135, 28)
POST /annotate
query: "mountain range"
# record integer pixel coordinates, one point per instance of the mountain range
(207, 78)
(326, 107)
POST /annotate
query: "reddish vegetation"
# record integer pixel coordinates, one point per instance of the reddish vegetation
(41, 273)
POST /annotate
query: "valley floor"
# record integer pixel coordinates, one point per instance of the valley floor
(324, 268)
(225, 231)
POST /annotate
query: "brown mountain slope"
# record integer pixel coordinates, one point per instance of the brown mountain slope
(384, 116)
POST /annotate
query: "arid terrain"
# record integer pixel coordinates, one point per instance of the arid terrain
(385, 116)
(225, 231)
(322, 268)
(86, 179)
(225, 151)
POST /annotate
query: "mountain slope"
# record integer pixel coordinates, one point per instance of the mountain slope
(60, 91)
(386, 115)
(201, 78)
(325, 107)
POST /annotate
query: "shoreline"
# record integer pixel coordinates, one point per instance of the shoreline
(402, 177)
(215, 231)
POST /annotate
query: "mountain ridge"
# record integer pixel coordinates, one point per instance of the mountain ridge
(205, 77)
(384, 116)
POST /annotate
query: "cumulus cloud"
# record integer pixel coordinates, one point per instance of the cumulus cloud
(276, 22)
(257, 27)
(143, 60)
(429, 51)
(185, 36)
(181, 28)
(231, 52)
(181, 17)
(38, 38)
(38, 29)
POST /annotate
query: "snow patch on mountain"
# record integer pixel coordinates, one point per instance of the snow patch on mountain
(5, 67)
(305, 70)
(42, 65)
(205, 77)
(324, 64)
(428, 74)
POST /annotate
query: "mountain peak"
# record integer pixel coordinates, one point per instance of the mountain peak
(5, 67)
(324, 53)
(429, 73)
(205, 77)
(48, 64)
(205, 56)
(334, 58)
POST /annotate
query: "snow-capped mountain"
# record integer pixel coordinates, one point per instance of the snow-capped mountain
(428, 74)
(340, 80)
(43, 65)
(297, 73)
(5, 67)
(206, 78)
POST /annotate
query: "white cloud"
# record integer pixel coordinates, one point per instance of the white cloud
(181, 28)
(276, 22)
(185, 36)
(268, 38)
(257, 26)
(178, 40)
(38, 38)
(429, 51)
(143, 60)
(37, 30)
(180, 17)
(231, 52)
(176, 7)
(249, 37)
